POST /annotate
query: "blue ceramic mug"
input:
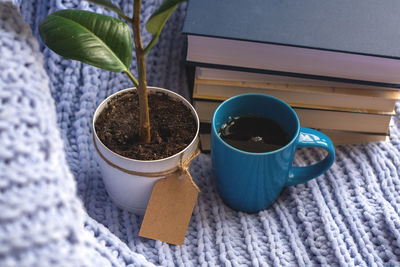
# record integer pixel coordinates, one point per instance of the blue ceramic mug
(251, 182)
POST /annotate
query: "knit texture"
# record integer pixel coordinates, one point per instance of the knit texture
(54, 210)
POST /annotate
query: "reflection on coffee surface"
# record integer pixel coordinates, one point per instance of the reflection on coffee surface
(254, 134)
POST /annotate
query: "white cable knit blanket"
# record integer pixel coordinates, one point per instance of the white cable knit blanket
(54, 210)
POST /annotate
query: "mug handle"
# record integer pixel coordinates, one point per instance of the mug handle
(312, 138)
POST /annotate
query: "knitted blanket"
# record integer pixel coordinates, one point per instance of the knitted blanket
(54, 210)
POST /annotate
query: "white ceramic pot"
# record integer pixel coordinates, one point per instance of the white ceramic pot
(129, 191)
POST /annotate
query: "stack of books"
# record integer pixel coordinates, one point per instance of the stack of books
(337, 63)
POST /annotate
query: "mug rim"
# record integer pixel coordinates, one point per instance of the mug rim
(215, 132)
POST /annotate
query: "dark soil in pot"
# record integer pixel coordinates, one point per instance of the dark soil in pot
(173, 126)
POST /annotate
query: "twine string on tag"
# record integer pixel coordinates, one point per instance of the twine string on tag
(181, 169)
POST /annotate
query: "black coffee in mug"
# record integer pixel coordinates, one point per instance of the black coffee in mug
(251, 182)
(254, 134)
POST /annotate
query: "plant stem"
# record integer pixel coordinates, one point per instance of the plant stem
(152, 43)
(144, 123)
(135, 82)
(122, 15)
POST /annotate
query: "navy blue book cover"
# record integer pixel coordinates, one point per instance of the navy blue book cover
(353, 26)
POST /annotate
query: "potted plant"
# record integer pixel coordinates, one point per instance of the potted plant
(141, 134)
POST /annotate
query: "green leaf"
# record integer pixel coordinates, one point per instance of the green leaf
(92, 38)
(156, 22)
(109, 5)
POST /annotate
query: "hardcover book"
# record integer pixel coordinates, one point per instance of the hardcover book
(355, 41)
(318, 118)
(379, 101)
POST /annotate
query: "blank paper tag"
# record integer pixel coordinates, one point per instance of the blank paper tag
(169, 210)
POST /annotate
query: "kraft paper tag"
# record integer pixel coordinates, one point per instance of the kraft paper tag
(169, 210)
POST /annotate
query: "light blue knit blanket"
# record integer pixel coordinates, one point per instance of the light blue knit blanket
(54, 210)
